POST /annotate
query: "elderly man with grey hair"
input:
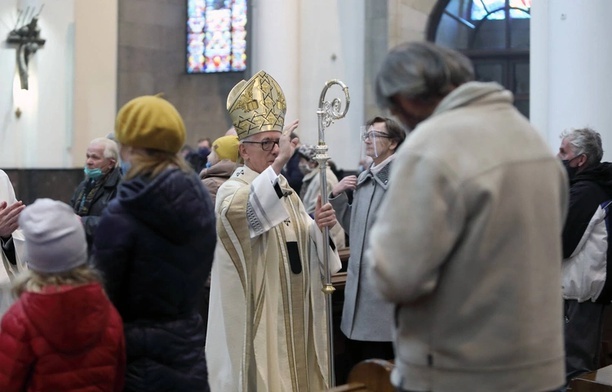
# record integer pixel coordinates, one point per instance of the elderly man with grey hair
(102, 176)
(467, 243)
(585, 291)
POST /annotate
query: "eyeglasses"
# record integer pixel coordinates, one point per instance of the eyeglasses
(371, 134)
(266, 144)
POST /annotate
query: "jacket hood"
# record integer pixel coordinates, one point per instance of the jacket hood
(223, 168)
(174, 203)
(470, 92)
(83, 311)
(600, 174)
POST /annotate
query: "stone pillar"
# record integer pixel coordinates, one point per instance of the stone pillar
(570, 66)
(275, 46)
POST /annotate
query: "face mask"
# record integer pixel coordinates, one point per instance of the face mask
(93, 174)
(203, 152)
(304, 168)
(571, 171)
(125, 167)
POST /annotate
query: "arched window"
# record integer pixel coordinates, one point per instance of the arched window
(216, 35)
(494, 34)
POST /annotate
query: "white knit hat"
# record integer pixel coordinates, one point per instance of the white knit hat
(54, 237)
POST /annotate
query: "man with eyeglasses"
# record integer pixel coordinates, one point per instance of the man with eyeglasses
(467, 243)
(267, 326)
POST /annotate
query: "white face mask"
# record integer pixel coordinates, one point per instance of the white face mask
(305, 168)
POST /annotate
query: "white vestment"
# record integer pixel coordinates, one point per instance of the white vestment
(9, 270)
(267, 322)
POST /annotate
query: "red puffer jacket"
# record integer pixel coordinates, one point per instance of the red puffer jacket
(62, 340)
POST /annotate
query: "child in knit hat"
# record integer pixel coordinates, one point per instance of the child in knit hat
(62, 333)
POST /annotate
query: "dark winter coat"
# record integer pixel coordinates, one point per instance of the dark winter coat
(155, 245)
(103, 196)
(588, 189)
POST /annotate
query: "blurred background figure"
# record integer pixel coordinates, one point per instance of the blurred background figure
(102, 176)
(198, 158)
(155, 246)
(62, 334)
(222, 162)
(311, 188)
(367, 319)
(292, 171)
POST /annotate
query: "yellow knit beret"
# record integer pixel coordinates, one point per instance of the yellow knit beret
(226, 147)
(150, 122)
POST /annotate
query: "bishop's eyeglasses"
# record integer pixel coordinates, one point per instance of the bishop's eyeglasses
(266, 144)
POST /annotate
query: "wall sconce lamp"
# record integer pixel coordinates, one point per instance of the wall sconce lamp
(26, 35)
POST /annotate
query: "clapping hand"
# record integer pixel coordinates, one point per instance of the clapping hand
(9, 217)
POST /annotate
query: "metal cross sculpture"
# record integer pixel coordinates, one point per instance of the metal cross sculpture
(26, 35)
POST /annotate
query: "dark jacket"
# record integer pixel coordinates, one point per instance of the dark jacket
(103, 196)
(292, 172)
(66, 340)
(155, 246)
(588, 189)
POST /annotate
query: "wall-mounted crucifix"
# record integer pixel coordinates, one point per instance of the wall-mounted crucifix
(26, 35)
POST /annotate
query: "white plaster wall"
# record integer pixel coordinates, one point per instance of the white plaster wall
(275, 46)
(332, 47)
(570, 67)
(312, 42)
(44, 136)
(95, 74)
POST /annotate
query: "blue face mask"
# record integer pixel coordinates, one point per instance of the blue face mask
(125, 167)
(94, 174)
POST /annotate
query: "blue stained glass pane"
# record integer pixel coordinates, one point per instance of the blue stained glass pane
(487, 9)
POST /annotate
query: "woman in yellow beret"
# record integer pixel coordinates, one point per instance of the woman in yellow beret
(155, 245)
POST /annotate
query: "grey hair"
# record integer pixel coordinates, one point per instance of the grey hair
(111, 151)
(585, 141)
(421, 70)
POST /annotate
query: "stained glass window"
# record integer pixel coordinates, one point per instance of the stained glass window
(494, 9)
(216, 35)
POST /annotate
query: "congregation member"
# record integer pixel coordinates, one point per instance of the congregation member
(367, 319)
(62, 334)
(155, 245)
(223, 160)
(467, 243)
(311, 187)
(585, 249)
(102, 176)
(292, 171)
(268, 323)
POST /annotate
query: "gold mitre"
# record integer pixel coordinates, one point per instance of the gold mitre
(257, 105)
